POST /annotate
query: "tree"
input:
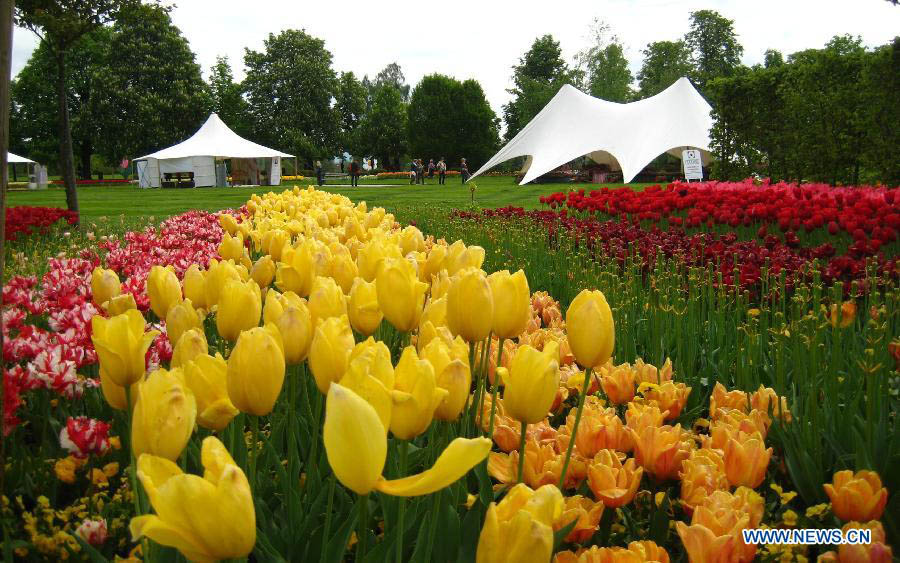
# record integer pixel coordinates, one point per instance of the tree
(392, 75)
(290, 87)
(540, 74)
(34, 108)
(664, 63)
(602, 68)
(714, 46)
(350, 103)
(382, 131)
(773, 58)
(452, 119)
(60, 25)
(153, 92)
(227, 97)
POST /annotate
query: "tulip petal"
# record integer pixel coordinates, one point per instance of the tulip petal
(355, 439)
(162, 533)
(454, 462)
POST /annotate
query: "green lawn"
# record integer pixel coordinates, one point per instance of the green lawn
(97, 201)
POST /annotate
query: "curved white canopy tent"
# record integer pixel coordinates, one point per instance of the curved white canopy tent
(214, 140)
(627, 137)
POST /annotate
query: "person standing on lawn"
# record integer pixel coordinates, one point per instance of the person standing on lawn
(354, 173)
(412, 172)
(431, 168)
(318, 165)
(422, 172)
(442, 170)
(463, 170)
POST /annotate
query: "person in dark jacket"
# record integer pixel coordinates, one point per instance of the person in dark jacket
(463, 170)
(354, 173)
(442, 171)
(319, 172)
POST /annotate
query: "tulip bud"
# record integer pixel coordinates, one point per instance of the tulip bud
(343, 269)
(418, 395)
(216, 277)
(330, 351)
(295, 326)
(119, 304)
(228, 222)
(206, 377)
(460, 257)
(365, 316)
(240, 306)
(105, 285)
(520, 527)
(411, 240)
(531, 383)
(164, 415)
(326, 300)
(182, 317)
(122, 345)
(857, 496)
(451, 368)
(470, 306)
(274, 242)
(263, 271)
(401, 295)
(512, 303)
(191, 344)
(370, 256)
(232, 247)
(434, 263)
(256, 370)
(746, 460)
(590, 329)
(164, 289)
(194, 283)
(115, 394)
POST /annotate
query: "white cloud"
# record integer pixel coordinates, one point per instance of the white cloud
(483, 39)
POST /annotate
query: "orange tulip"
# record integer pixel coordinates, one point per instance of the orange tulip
(877, 551)
(746, 460)
(617, 383)
(637, 552)
(611, 481)
(600, 429)
(703, 546)
(722, 398)
(669, 396)
(587, 514)
(844, 317)
(661, 450)
(543, 466)
(858, 496)
(701, 474)
(766, 400)
(640, 415)
(648, 373)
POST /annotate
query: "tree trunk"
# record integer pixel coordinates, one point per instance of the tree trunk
(84, 155)
(66, 156)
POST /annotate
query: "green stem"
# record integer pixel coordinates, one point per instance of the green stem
(522, 452)
(254, 450)
(313, 461)
(132, 475)
(363, 527)
(494, 388)
(402, 508)
(584, 389)
(482, 369)
(435, 499)
(328, 515)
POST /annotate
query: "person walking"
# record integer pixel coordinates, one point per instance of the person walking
(431, 168)
(463, 170)
(412, 172)
(354, 173)
(442, 171)
(421, 172)
(318, 165)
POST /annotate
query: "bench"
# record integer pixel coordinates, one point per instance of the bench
(178, 180)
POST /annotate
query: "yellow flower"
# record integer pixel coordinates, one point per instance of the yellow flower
(206, 377)
(470, 306)
(275, 242)
(122, 345)
(520, 528)
(206, 518)
(65, 469)
(164, 289)
(164, 415)
(434, 263)
(256, 370)
(194, 285)
(295, 326)
(191, 344)
(115, 394)
(119, 304)
(240, 306)
(263, 271)
(372, 254)
(512, 303)
(370, 375)
(181, 318)
(417, 395)
(329, 352)
(228, 222)
(401, 295)
(326, 300)
(363, 310)
(460, 257)
(661, 450)
(343, 268)
(531, 382)
(232, 247)
(356, 446)
(590, 328)
(105, 285)
(857, 496)
(702, 474)
(817, 511)
(411, 240)
(218, 274)
(789, 518)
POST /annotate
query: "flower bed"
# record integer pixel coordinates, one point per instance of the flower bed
(405, 175)
(23, 220)
(95, 181)
(370, 401)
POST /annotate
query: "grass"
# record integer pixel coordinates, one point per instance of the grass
(105, 201)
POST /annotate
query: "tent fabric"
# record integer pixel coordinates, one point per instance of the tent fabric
(217, 140)
(625, 136)
(16, 159)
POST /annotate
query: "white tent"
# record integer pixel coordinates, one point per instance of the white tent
(16, 159)
(198, 155)
(627, 137)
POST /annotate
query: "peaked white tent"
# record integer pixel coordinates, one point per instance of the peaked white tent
(198, 155)
(16, 159)
(626, 137)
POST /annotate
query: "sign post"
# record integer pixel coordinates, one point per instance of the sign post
(692, 164)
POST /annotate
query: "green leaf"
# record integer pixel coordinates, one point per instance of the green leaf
(560, 535)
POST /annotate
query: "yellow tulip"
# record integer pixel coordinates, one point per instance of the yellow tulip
(218, 274)
(418, 395)
(164, 415)
(164, 289)
(356, 447)
(428, 332)
(263, 271)
(470, 306)
(330, 350)
(191, 344)
(370, 256)
(365, 316)
(590, 328)
(228, 222)
(232, 247)
(459, 257)
(205, 518)
(520, 528)
(411, 240)
(240, 306)
(115, 394)
(435, 312)
(857, 496)
(122, 345)
(206, 377)
(326, 300)
(105, 285)
(295, 326)
(451, 368)
(512, 303)
(343, 269)
(531, 382)
(434, 263)
(194, 285)
(182, 317)
(440, 284)
(371, 376)
(274, 243)
(256, 370)
(401, 295)
(119, 304)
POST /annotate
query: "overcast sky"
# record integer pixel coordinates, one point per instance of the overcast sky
(483, 39)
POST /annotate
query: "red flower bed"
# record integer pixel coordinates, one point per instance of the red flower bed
(25, 220)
